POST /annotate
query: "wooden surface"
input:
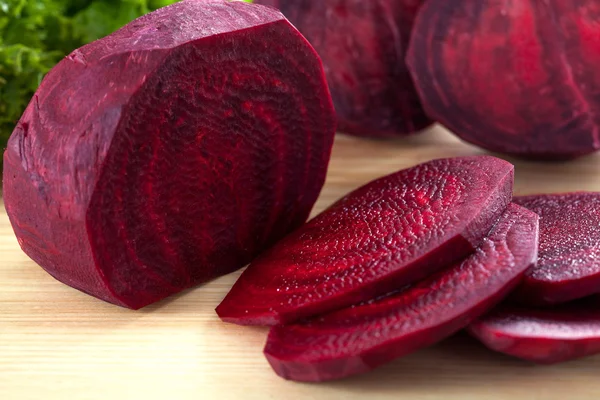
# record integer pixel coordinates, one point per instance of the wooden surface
(57, 343)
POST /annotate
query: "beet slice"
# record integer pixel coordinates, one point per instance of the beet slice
(569, 259)
(171, 152)
(357, 339)
(363, 45)
(386, 234)
(518, 77)
(544, 336)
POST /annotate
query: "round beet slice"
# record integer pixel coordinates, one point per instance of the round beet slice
(386, 234)
(171, 152)
(544, 336)
(363, 45)
(517, 77)
(360, 338)
(569, 261)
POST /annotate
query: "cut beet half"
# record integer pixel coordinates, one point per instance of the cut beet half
(358, 339)
(363, 45)
(170, 152)
(569, 259)
(517, 77)
(544, 336)
(389, 233)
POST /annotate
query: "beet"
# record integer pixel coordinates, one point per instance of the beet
(171, 152)
(569, 259)
(358, 339)
(363, 45)
(544, 336)
(518, 77)
(386, 234)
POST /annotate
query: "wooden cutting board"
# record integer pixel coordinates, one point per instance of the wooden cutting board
(57, 343)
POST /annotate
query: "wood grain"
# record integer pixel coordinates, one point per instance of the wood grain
(57, 343)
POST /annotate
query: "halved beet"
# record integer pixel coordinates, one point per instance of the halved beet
(358, 339)
(171, 152)
(386, 234)
(518, 77)
(569, 259)
(544, 336)
(363, 45)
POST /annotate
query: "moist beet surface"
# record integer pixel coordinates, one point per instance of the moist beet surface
(569, 258)
(360, 338)
(544, 336)
(389, 233)
(171, 152)
(517, 77)
(363, 45)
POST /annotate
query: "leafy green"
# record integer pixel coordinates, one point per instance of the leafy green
(36, 34)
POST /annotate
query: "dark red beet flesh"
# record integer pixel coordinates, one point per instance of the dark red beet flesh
(363, 45)
(544, 336)
(518, 77)
(569, 256)
(389, 233)
(170, 152)
(358, 339)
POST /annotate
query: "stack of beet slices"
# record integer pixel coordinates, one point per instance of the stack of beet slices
(409, 259)
(540, 327)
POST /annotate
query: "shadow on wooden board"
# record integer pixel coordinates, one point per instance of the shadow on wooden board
(460, 365)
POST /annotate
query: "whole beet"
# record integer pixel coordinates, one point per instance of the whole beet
(516, 77)
(363, 45)
(170, 152)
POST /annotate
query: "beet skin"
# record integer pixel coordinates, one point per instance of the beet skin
(516, 77)
(363, 45)
(389, 233)
(358, 339)
(569, 259)
(170, 152)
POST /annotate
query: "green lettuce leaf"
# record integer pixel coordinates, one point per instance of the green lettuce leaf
(37, 34)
